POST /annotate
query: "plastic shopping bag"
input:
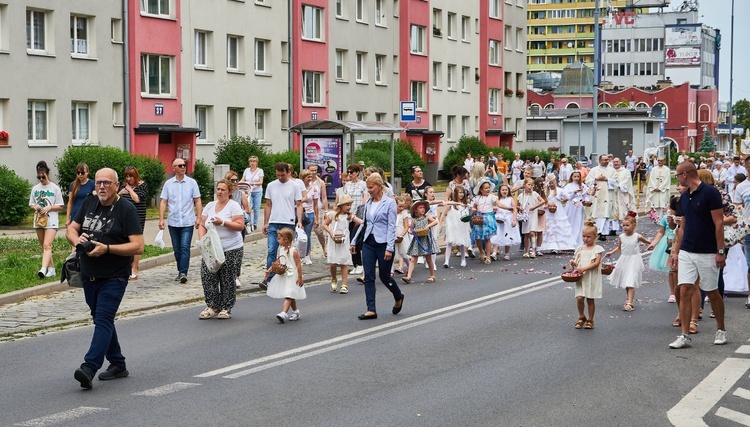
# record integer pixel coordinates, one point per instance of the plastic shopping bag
(211, 250)
(300, 242)
(159, 240)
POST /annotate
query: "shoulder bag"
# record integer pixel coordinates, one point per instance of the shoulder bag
(211, 250)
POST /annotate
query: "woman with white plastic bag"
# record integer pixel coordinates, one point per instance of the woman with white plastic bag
(222, 218)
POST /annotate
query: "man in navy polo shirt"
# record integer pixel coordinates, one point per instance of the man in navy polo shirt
(701, 255)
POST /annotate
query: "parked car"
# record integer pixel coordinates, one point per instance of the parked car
(583, 159)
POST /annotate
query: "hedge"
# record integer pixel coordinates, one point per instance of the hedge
(236, 150)
(378, 153)
(14, 197)
(150, 168)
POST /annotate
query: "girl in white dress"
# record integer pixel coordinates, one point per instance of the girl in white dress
(457, 232)
(337, 226)
(507, 225)
(429, 195)
(289, 285)
(528, 203)
(559, 235)
(587, 260)
(575, 194)
(403, 224)
(629, 268)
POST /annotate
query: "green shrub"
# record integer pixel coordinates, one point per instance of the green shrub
(378, 153)
(14, 197)
(204, 175)
(467, 144)
(284, 156)
(544, 155)
(235, 151)
(96, 157)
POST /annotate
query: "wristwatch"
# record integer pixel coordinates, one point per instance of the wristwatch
(720, 251)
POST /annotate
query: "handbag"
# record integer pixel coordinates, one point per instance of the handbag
(211, 250)
(478, 218)
(735, 233)
(71, 270)
(360, 235)
(464, 214)
(40, 220)
(277, 267)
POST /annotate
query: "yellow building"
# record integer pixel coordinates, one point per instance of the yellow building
(561, 32)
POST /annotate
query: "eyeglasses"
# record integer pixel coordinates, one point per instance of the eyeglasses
(181, 165)
(40, 177)
(81, 173)
(351, 171)
(104, 184)
(681, 173)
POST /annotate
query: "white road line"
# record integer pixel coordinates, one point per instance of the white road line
(380, 334)
(165, 389)
(690, 410)
(62, 416)
(743, 349)
(354, 335)
(742, 392)
(735, 416)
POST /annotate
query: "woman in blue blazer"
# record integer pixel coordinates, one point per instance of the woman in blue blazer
(378, 239)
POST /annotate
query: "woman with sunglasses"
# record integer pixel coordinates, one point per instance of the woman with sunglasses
(240, 197)
(79, 189)
(46, 201)
(135, 191)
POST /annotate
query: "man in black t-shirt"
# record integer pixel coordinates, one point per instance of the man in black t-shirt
(416, 187)
(700, 239)
(106, 234)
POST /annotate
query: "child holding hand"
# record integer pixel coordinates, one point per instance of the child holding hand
(588, 258)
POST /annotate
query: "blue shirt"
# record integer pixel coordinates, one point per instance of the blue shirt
(83, 191)
(180, 197)
(699, 235)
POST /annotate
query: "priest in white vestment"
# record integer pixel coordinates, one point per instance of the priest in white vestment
(601, 179)
(657, 189)
(624, 194)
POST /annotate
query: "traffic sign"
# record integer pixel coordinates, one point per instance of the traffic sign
(408, 111)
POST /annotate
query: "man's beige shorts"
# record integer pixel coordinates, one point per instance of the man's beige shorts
(691, 266)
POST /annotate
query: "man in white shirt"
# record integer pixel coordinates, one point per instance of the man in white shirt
(602, 179)
(624, 193)
(732, 171)
(283, 210)
(657, 190)
(630, 160)
(181, 194)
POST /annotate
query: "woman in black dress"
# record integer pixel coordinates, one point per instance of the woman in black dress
(135, 190)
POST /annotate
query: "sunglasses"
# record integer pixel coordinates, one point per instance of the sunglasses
(81, 173)
(181, 165)
(351, 171)
(234, 180)
(41, 177)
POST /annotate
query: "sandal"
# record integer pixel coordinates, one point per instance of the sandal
(525, 255)
(487, 261)
(589, 324)
(406, 280)
(712, 315)
(700, 314)
(431, 279)
(693, 326)
(224, 314)
(398, 270)
(208, 313)
(580, 322)
(628, 307)
(677, 323)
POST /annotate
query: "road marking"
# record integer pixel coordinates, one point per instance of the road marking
(690, 410)
(743, 349)
(62, 416)
(381, 330)
(735, 416)
(742, 392)
(165, 389)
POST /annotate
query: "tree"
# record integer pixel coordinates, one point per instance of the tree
(707, 143)
(741, 110)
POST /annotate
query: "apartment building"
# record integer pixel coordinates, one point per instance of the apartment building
(61, 68)
(514, 73)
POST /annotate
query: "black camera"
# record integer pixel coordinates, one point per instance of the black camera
(86, 246)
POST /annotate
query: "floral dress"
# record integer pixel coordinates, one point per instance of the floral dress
(422, 245)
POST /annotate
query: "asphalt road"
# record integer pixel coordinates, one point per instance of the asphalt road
(482, 346)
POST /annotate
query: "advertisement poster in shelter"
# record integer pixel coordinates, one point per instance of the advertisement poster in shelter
(326, 152)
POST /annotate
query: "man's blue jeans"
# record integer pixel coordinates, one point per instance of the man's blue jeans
(255, 199)
(273, 243)
(103, 298)
(308, 231)
(181, 238)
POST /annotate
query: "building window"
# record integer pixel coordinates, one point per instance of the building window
(79, 115)
(201, 121)
(340, 64)
(79, 35)
(494, 52)
(339, 9)
(519, 39)
(312, 22)
(495, 9)
(36, 23)
(380, 117)
(451, 79)
(38, 124)
(116, 30)
(417, 94)
(261, 117)
(201, 49)
(361, 67)
(465, 78)
(450, 128)
(437, 70)
(380, 13)
(156, 7)
(233, 121)
(507, 38)
(541, 135)
(234, 53)
(417, 39)
(312, 81)
(437, 22)
(450, 31)
(340, 115)
(360, 10)
(261, 47)
(361, 116)
(465, 125)
(494, 101)
(379, 66)
(465, 28)
(118, 114)
(156, 75)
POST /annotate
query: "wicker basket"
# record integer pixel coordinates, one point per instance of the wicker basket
(552, 209)
(421, 232)
(571, 276)
(607, 267)
(587, 203)
(540, 212)
(277, 267)
(338, 238)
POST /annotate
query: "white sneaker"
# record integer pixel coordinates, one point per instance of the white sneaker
(706, 299)
(721, 337)
(463, 263)
(307, 261)
(41, 273)
(420, 260)
(334, 286)
(294, 316)
(50, 273)
(356, 270)
(237, 283)
(282, 317)
(682, 341)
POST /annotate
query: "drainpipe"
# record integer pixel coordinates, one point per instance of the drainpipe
(126, 74)
(290, 71)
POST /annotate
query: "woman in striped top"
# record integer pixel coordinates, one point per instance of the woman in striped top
(135, 191)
